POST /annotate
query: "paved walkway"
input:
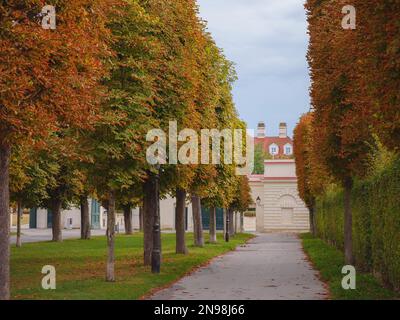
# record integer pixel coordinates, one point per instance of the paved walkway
(270, 267)
(41, 235)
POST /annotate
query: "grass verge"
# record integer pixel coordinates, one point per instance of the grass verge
(80, 267)
(329, 262)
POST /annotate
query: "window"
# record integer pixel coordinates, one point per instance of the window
(273, 149)
(288, 149)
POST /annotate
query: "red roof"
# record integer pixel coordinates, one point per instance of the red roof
(280, 142)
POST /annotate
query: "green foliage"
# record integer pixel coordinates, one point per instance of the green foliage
(259, 156)
(31, 175)
(329, 261)
(117, 149)
(242, 199)
(376, 222)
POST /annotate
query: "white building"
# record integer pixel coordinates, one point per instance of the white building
(167, 216)
(71, 219)
(278, 205)
(41, 218)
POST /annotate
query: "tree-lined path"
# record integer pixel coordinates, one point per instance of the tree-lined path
(271, 267)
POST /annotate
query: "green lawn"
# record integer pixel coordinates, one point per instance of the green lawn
(329, 261)
(80, 267)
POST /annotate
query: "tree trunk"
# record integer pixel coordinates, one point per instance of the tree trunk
(149, 207)
(241, 222)
(5, 153)
(213, 225)
(20, 211)
(227, 222)
(56, 207)
(231, 223)
(312, 220)
(180, 222)
(235, 218)
(197, 221)
(85, 218)
(110, 272)
(348, 223)
(156, 255)
(128, 220)
(141, 219)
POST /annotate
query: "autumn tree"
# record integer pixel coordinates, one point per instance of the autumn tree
(188, 110)
(342, 133)
(30, 176)
(63, 153)
(207, 100)
(222, 188)
(178, 98)
(49, 80)
(242, 198)
(304, 165)
(118, 149)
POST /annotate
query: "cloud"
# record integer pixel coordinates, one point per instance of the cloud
(267, 39)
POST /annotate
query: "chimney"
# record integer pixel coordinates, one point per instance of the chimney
(261, 130)
(282, 130)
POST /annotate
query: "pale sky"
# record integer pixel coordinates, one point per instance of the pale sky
(267, 40)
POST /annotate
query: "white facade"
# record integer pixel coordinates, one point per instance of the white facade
(70, 218)
(278, 205)
(167, 215)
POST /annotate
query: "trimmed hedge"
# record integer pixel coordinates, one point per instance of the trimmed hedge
(376, 223)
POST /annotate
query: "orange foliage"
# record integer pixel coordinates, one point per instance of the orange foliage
(302, 149)
(342, 134)
(378, 57)
(49, 78)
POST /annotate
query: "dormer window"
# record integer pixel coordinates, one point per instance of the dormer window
(288, 149)
(274, 149)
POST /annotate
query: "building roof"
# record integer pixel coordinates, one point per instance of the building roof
(280, 142)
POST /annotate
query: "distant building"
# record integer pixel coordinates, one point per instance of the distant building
(41, 218)
(280, 146)
(277, 203)
(276, 200)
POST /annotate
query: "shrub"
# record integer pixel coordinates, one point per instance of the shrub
(376, 223)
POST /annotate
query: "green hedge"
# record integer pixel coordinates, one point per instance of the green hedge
(376, 223)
